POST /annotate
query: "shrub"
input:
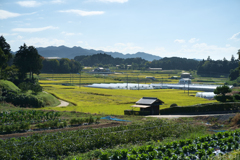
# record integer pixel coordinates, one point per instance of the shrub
(36, 88)
(236, 120)
(236, 96)
(24, 86)
(173, 105)
(23, 100)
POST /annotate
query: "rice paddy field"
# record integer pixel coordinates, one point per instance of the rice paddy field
(113, 101)
(120, 77)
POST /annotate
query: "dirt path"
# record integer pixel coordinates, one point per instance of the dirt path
(179, 116)
(63, 103)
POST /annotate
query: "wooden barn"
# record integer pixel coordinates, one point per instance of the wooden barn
(149, 104)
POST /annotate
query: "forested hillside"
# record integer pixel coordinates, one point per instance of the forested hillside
(216, 68)
(175, 63)
(138, 63)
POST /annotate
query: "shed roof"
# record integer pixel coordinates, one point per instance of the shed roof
(149, 101)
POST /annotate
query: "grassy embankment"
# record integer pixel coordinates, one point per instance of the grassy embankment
(94, 100)
(49, 99)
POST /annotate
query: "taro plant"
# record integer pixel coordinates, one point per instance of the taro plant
(185, 149)
(104, 156)
(182, 143)
(143, 156)
(152, 154)
(132, 157)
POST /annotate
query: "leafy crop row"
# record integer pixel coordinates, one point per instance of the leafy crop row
(31, 116)
(24, 126)
(57, 144)
(200, 148)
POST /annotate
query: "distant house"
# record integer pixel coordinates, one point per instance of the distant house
(186, 75)
(185, 81)
(149, 104)
(174, 77)
(100, 69)
(155, 69)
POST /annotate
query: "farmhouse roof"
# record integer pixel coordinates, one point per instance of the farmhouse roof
(148, 101)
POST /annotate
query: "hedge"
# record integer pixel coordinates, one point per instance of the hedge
(131, 112)
(208, 108)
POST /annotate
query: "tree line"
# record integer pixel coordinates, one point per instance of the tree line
(104, 60)
(211, 68)
(63, 65)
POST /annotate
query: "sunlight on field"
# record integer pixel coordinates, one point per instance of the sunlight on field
(109, 101)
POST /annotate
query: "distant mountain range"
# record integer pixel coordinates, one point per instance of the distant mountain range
(66, 52)
(70, 53)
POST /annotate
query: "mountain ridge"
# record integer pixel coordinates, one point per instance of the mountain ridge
(67, 52)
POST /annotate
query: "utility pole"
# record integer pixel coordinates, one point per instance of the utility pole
(162, 82)
(184, 87)
(188, 87)
(52, 74)
(138, 82)
(127, 81)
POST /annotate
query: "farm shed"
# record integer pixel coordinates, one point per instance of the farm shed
(186, 75)
(149, 104)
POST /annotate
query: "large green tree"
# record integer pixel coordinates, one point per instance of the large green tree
(5, 54)
(28, 60)
(221, 91)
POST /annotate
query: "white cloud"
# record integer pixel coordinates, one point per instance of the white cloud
(117, 1)
(44, 42)
(5, 14)
(204, 50)
(31, 30)
(28, 3)
(83, 13)
(179, 41)
(8, 34)
(70, 34)
(193, 40)
(57, 1)
(236, 36)
(19, 37)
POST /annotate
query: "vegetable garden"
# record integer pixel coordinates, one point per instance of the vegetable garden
(200, 148)
(23, 120)
(61, 144)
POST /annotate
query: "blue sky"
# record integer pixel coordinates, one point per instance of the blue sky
(166, 28)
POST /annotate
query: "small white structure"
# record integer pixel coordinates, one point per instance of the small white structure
(185, 81)
(206, 95)
(155, 69)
